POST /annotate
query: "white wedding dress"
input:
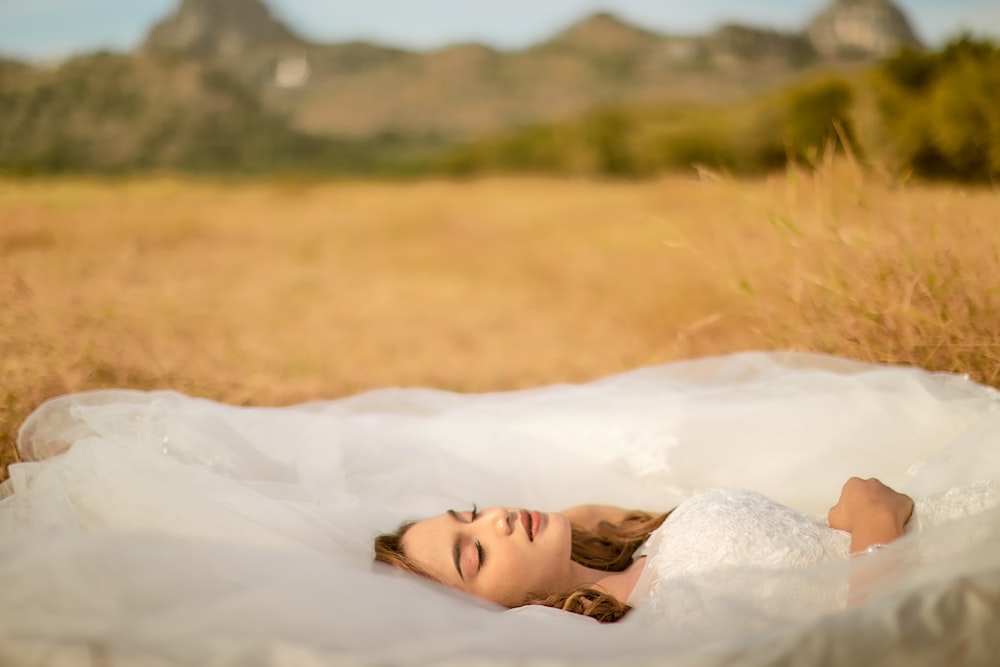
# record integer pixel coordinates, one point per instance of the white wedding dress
(159, 529)
(753, 548)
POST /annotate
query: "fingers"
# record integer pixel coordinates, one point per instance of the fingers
(855, 495)
(861, 499)
(838, 516)
(835, 517)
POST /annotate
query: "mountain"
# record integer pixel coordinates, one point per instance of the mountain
(366, 90)
(604, 34)
(113, 113)
(738, 44)
(210, 58)
(219, 28)
(860, 28)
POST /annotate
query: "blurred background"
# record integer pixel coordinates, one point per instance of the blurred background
(269, 202)
(395, 88)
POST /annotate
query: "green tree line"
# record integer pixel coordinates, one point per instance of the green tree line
(941, 111)
(934, 114)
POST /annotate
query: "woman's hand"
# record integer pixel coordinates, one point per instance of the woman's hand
(871, 511)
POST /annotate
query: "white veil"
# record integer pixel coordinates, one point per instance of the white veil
(159, 529)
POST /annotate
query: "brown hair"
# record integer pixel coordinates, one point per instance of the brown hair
(608, 547)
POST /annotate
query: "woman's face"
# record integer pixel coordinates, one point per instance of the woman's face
(500, 554)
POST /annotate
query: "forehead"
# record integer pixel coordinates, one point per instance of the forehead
(430, 543)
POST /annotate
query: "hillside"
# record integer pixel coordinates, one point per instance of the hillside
(226, 85)
(112, 113)
(365, 90)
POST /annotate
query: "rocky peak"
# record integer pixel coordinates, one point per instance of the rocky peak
(860, 27)
(603, 32)
(218, 28)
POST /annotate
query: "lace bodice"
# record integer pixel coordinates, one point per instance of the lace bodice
(735, 528)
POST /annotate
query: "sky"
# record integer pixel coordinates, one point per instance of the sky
(41, 30)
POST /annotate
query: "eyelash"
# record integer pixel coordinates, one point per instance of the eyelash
(482, 554)
(479, 545)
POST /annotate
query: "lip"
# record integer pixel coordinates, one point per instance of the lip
(525, 517)
(532, 522)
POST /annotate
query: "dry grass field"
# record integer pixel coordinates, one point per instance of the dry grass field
(269, 293)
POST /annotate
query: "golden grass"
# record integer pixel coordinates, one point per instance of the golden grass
(277, 292)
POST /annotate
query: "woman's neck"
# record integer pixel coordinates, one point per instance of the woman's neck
(617, 584)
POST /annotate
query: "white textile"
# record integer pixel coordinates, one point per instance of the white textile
(159, 529)
(728, 528)
(716, 532)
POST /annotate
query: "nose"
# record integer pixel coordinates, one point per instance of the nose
(501, 519)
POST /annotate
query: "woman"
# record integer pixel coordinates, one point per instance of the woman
(583, 559)
(156, 528)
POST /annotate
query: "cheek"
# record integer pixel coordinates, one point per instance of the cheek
(506, 586)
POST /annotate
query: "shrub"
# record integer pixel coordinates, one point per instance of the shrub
(940, 112)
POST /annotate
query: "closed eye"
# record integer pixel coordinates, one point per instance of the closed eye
(482, 555)
(456, 547)
(461, 517)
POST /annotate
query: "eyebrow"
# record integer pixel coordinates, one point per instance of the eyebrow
(456, 548)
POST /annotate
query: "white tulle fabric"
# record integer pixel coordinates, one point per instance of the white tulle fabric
(159, 529)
